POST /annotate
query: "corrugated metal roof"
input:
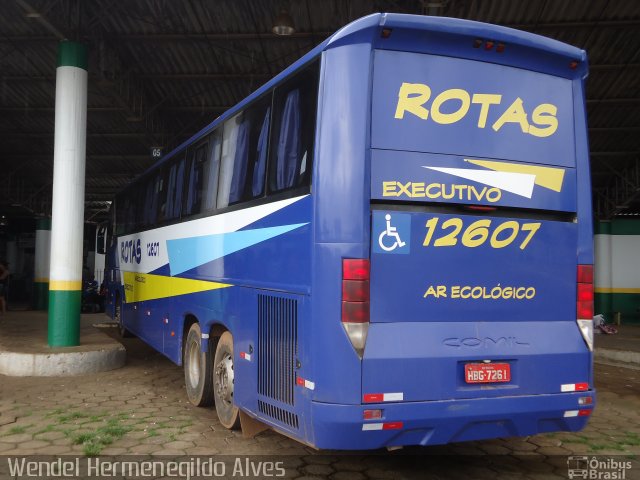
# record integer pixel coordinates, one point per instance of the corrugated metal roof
(160, 70)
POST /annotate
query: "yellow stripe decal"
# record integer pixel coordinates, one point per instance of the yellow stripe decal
(617, 290)
(139, 287)
(546, 177)
(66, 285)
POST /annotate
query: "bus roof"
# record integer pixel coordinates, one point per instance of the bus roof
(360, 31)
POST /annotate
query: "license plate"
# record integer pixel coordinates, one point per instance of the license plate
(487, 372)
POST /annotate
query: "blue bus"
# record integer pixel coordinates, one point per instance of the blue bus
(388, 244)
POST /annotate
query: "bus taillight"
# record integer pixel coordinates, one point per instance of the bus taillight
(355, 301)
(584, 303)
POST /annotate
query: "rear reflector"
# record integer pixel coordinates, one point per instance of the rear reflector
(383, 426)
(578, 413)
(585, 401)
(302, 382)
(372, 414)
(574, 387)
(383, 397)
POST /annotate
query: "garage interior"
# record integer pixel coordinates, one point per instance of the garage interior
(160, 70)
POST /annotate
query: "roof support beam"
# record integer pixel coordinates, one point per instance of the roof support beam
(621, 192)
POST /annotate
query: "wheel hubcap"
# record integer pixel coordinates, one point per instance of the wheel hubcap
(194, 364)
(224, 379)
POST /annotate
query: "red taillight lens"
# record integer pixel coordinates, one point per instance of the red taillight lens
(585, 293)
(584, 303)
(355, 290)
(355, 301)
(585, 273)
(355, 312)
(488, 45)
(355, 269)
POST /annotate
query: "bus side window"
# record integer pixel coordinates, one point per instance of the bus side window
(196, 178)
(229, 140)
(244, 154)
(175, 185)
(292, 138)
(147, 187)
(211, 171)
(130, 212)
(119, 214)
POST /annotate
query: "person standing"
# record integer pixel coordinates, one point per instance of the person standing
(4, 284)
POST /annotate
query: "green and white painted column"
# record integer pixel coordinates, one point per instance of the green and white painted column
(67, 223)
(617, 269)
(41, 268)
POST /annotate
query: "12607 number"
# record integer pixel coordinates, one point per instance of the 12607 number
(477, 233)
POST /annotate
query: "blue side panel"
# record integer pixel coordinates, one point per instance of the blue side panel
(341, 215)
(188, 253)
(585, 220)
(273, 254)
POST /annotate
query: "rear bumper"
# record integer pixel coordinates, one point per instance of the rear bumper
(431, 423)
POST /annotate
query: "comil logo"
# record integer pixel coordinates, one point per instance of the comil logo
(597, 468)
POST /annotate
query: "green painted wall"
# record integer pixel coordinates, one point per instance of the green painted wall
(617, 269)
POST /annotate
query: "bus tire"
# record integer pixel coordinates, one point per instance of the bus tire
(223, 375)
(198, 375)
(119, 318)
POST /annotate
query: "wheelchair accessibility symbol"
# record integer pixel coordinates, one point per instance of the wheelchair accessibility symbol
(391, 233)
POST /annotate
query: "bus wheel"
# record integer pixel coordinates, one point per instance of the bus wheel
(197, 369)
(223, 379)
(117, 316)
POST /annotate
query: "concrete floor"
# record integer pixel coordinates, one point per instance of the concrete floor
(142, 409)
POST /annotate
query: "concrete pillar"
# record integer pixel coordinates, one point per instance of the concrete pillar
(41, 267)
(67, 223)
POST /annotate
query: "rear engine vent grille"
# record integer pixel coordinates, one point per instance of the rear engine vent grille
(279, 414)
(277, 348)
